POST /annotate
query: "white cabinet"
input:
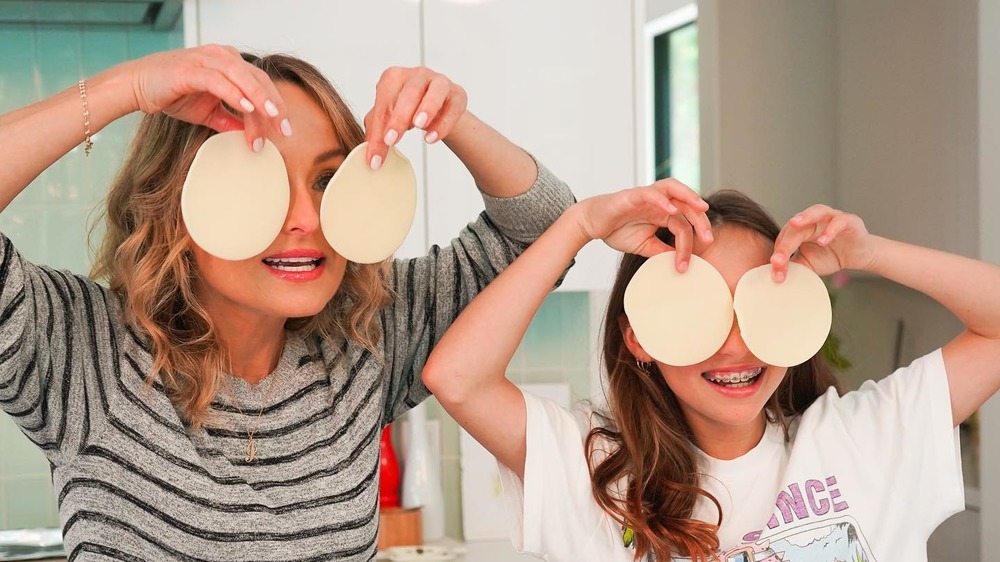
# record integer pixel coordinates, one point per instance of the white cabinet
(555, 77)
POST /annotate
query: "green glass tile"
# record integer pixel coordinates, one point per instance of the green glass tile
(20, 456)
(30, 503)
(451, 488)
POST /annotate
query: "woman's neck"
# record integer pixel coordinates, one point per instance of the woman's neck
(254, 348)
(729, 442)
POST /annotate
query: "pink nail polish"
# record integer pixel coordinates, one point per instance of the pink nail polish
(376, 162)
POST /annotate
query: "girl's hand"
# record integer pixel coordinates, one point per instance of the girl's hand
(824, 239)
(628, 220)
(411, 97)
(191, 85)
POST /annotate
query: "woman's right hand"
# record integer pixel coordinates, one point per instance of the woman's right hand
(191, 84)
(628, 220)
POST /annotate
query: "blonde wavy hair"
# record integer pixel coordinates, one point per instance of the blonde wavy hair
(144, 254)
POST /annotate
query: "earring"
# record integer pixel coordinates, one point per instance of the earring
(643, 366)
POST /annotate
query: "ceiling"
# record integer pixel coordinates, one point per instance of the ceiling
(157, 15)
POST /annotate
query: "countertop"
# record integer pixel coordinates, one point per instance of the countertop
(484, 551)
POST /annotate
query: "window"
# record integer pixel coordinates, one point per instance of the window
(675, 132)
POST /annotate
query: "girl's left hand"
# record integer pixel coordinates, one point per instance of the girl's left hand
(824, 239)
(407, 98)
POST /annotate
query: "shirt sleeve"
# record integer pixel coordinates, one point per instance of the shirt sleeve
(46, 326)
(431, 291)
(552, 512)
(903, 426)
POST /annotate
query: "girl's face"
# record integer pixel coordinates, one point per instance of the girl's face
(723, 397)
(299, 273)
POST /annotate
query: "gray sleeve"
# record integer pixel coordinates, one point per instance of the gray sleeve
(433, 289)
(42, 324)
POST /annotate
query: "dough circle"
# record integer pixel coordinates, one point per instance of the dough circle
(679, 318)
(234, 201)
(365, 214)
(783, 324)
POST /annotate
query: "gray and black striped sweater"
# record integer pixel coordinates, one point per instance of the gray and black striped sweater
(133, 483)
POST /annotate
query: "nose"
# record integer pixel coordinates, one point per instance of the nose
(303, 211)
(734, 347)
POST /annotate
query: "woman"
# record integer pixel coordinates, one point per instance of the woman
(203, 409)
(729, 459)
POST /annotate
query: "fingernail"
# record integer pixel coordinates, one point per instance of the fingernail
(246, 105)
(431, 137)
(376, 162)
(671, 208)
(258, 144)
(390, 137)
(709, 236)
(420, 120)
(286, 128)
(682, 267)
(270, 108)
(822, 240)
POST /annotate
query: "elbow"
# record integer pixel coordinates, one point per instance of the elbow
(445, 383)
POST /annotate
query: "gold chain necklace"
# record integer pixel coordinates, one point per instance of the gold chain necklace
(250, 451)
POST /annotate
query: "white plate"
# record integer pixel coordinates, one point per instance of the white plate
(365, 214)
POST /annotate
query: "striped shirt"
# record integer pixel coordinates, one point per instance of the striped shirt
(135, 483)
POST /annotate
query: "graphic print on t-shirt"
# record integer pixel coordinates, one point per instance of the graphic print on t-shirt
(832, 540)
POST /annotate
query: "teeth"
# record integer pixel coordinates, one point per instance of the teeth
(738, 378)
(293, 264)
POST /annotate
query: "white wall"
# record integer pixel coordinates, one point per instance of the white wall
(906, 148)
(989, 244)
(768, 100)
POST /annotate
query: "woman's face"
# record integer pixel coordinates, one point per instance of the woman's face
(715, 395)
(299, 273)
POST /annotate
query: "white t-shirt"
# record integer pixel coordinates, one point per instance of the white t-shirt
(866, 477)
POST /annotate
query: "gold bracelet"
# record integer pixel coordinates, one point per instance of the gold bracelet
(88, 144)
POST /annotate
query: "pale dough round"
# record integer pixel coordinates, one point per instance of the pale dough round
(783, 324)
(679, 318)
(234, 201)
(365, 214)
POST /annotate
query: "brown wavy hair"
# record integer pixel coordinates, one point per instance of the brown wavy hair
(642, 455)
(144, 254)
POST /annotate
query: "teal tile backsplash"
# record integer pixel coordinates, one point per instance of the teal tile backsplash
(49, 221)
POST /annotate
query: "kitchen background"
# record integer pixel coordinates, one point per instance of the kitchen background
(886, 108)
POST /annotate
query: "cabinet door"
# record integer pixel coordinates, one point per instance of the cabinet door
(351, 42)
(554, 77)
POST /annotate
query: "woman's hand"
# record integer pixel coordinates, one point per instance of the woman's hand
(191, 84)
(824, 239)
(407, 98)
(628, 220)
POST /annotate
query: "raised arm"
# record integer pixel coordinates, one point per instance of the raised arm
(829, 240)
(187, 84)
(419, 98)
(466, 369)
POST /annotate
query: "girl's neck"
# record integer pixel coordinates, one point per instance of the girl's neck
(730, 442)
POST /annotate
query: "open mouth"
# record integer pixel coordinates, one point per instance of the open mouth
(736, 379)
(294, 265)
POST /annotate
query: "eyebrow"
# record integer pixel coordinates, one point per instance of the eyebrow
(329, 154)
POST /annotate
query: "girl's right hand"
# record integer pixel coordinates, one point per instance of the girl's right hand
(628, 220)
(191, 84)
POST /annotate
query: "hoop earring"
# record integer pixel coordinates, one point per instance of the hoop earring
(643, 365)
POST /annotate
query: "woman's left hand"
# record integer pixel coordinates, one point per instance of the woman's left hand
(407, 98)
(824, 239)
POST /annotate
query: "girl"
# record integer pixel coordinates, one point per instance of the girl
(202, 409)
(729, 459)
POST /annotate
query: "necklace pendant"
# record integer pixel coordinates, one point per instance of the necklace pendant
(251, 450)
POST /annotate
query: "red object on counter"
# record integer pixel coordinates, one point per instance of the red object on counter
(388, 474)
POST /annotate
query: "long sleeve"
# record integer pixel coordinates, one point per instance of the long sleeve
(432, 290)
(47, 327)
